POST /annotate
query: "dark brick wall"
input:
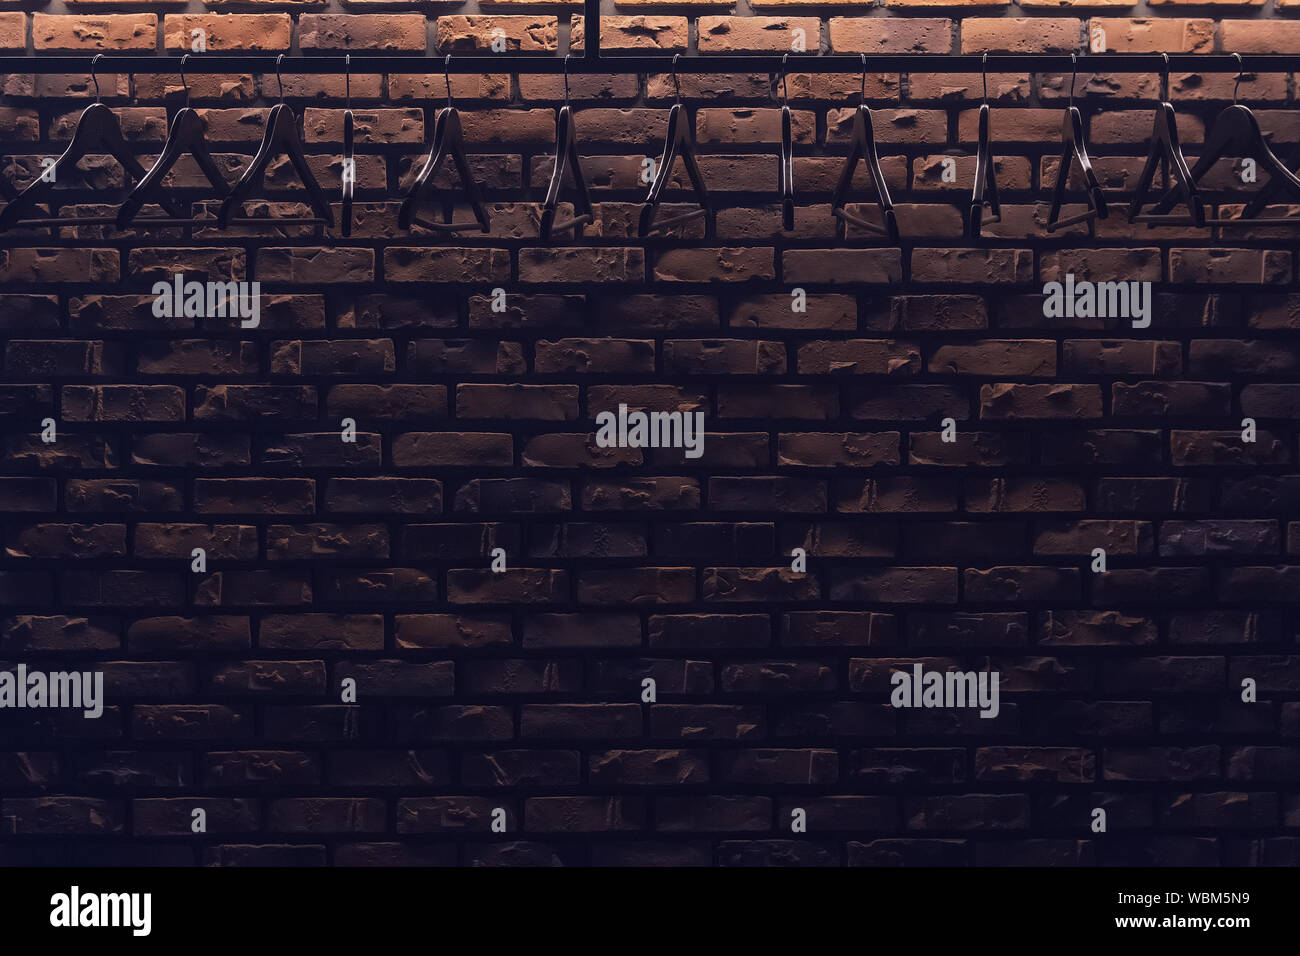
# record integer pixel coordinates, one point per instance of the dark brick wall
(521, 690)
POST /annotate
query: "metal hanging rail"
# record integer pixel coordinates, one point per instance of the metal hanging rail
(617, 65)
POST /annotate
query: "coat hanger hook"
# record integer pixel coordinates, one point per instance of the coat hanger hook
(446, 74)
(984, 73)
(677, 87)
(863, 92)
(566, 79)
(785, 90)
(1164, 77)
(94, 72)
(1074, 75)
(278, 80)
(347, 79)
(1240, 69)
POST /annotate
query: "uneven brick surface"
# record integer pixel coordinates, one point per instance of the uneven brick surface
(369, 561)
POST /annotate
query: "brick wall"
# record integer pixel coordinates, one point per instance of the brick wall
(522, 690)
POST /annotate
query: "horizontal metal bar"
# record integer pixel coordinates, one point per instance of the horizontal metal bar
(607, 64)
(867, 224)
(1091, 214)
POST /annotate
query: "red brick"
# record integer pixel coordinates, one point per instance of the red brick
(1021, 35)
(236, 32)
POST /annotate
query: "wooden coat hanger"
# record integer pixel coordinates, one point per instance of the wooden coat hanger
(785, 172)
(1236, 133)
(566, 154)
(1266, 193)
(1074, 149)
(862, 146)
(186, 135)
(679, 143)
(986, 183)
(98, 130)
(1166, 153)
(280, 138)
(448, 140)
(348, 179)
